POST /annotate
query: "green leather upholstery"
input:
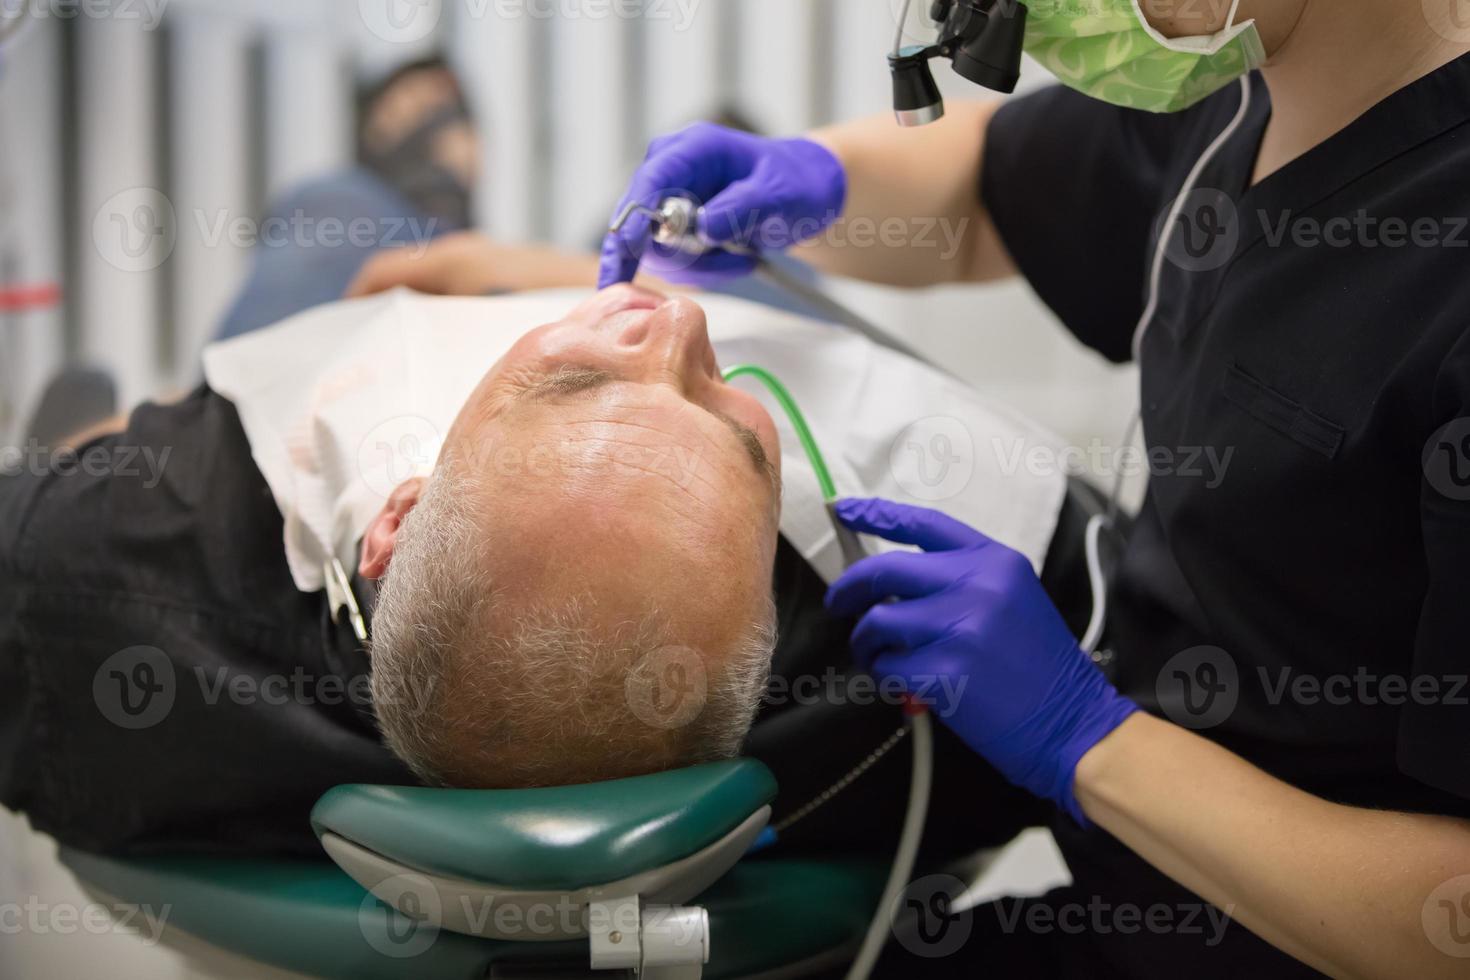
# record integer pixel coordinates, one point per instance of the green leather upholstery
(309, 917)
(562, 837)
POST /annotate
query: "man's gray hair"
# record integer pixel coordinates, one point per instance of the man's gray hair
(468, 693)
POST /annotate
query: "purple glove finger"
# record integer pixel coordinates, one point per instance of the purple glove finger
(893, 574)
(733, 215)
(618, 261)
(928, 529)
(665, 171)
(788, 197)
(897, 627)
(931, 684)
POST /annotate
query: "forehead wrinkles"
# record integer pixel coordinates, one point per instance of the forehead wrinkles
(631, 445)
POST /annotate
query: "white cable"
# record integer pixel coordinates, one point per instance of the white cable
(903, 19)
(1150, 310)
(908, 848)
(1165, 233)
(1156, 274)
(1099, 585)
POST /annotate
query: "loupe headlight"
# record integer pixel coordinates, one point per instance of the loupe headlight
(983, 40)
(916, 98)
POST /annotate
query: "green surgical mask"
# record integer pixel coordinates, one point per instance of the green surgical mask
(1107, 49)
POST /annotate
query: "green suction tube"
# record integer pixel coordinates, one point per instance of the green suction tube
(919, 727)
(798, 422)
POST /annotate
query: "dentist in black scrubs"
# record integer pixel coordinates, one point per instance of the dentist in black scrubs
(1286, 734)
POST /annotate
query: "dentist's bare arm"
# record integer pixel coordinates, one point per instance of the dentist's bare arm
(913, 215)
(1352, 892)
(469, 263)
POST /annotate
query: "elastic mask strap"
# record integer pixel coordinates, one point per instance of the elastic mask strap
(1230, 21)
(1196, 44)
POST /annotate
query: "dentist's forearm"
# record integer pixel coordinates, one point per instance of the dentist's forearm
(913, 215)
(1339, 888)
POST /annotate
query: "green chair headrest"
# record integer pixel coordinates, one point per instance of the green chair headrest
(562, 837)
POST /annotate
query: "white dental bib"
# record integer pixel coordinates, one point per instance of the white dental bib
(345, 401)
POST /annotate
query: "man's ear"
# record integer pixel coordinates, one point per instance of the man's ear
(382, 533)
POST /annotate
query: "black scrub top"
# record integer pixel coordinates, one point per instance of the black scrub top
(163, 684)
(1304, 599)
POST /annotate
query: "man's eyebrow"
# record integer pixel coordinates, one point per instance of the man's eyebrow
(754, 449)
(566, 381)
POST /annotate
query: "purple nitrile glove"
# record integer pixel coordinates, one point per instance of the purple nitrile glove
(758, 193)
(975, 635)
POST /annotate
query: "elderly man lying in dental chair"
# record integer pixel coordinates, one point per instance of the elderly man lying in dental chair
(557, 553)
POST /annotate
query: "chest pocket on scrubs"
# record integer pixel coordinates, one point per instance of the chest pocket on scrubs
(1282, 413)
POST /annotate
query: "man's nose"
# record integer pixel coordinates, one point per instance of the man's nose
(674, 342)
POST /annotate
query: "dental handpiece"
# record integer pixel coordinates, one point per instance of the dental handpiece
(678, 223)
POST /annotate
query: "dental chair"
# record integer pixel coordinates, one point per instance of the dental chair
(451, 884)
(574, 881)
(586, 881)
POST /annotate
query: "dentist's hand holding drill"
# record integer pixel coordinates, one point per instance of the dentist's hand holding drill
(757, 193)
